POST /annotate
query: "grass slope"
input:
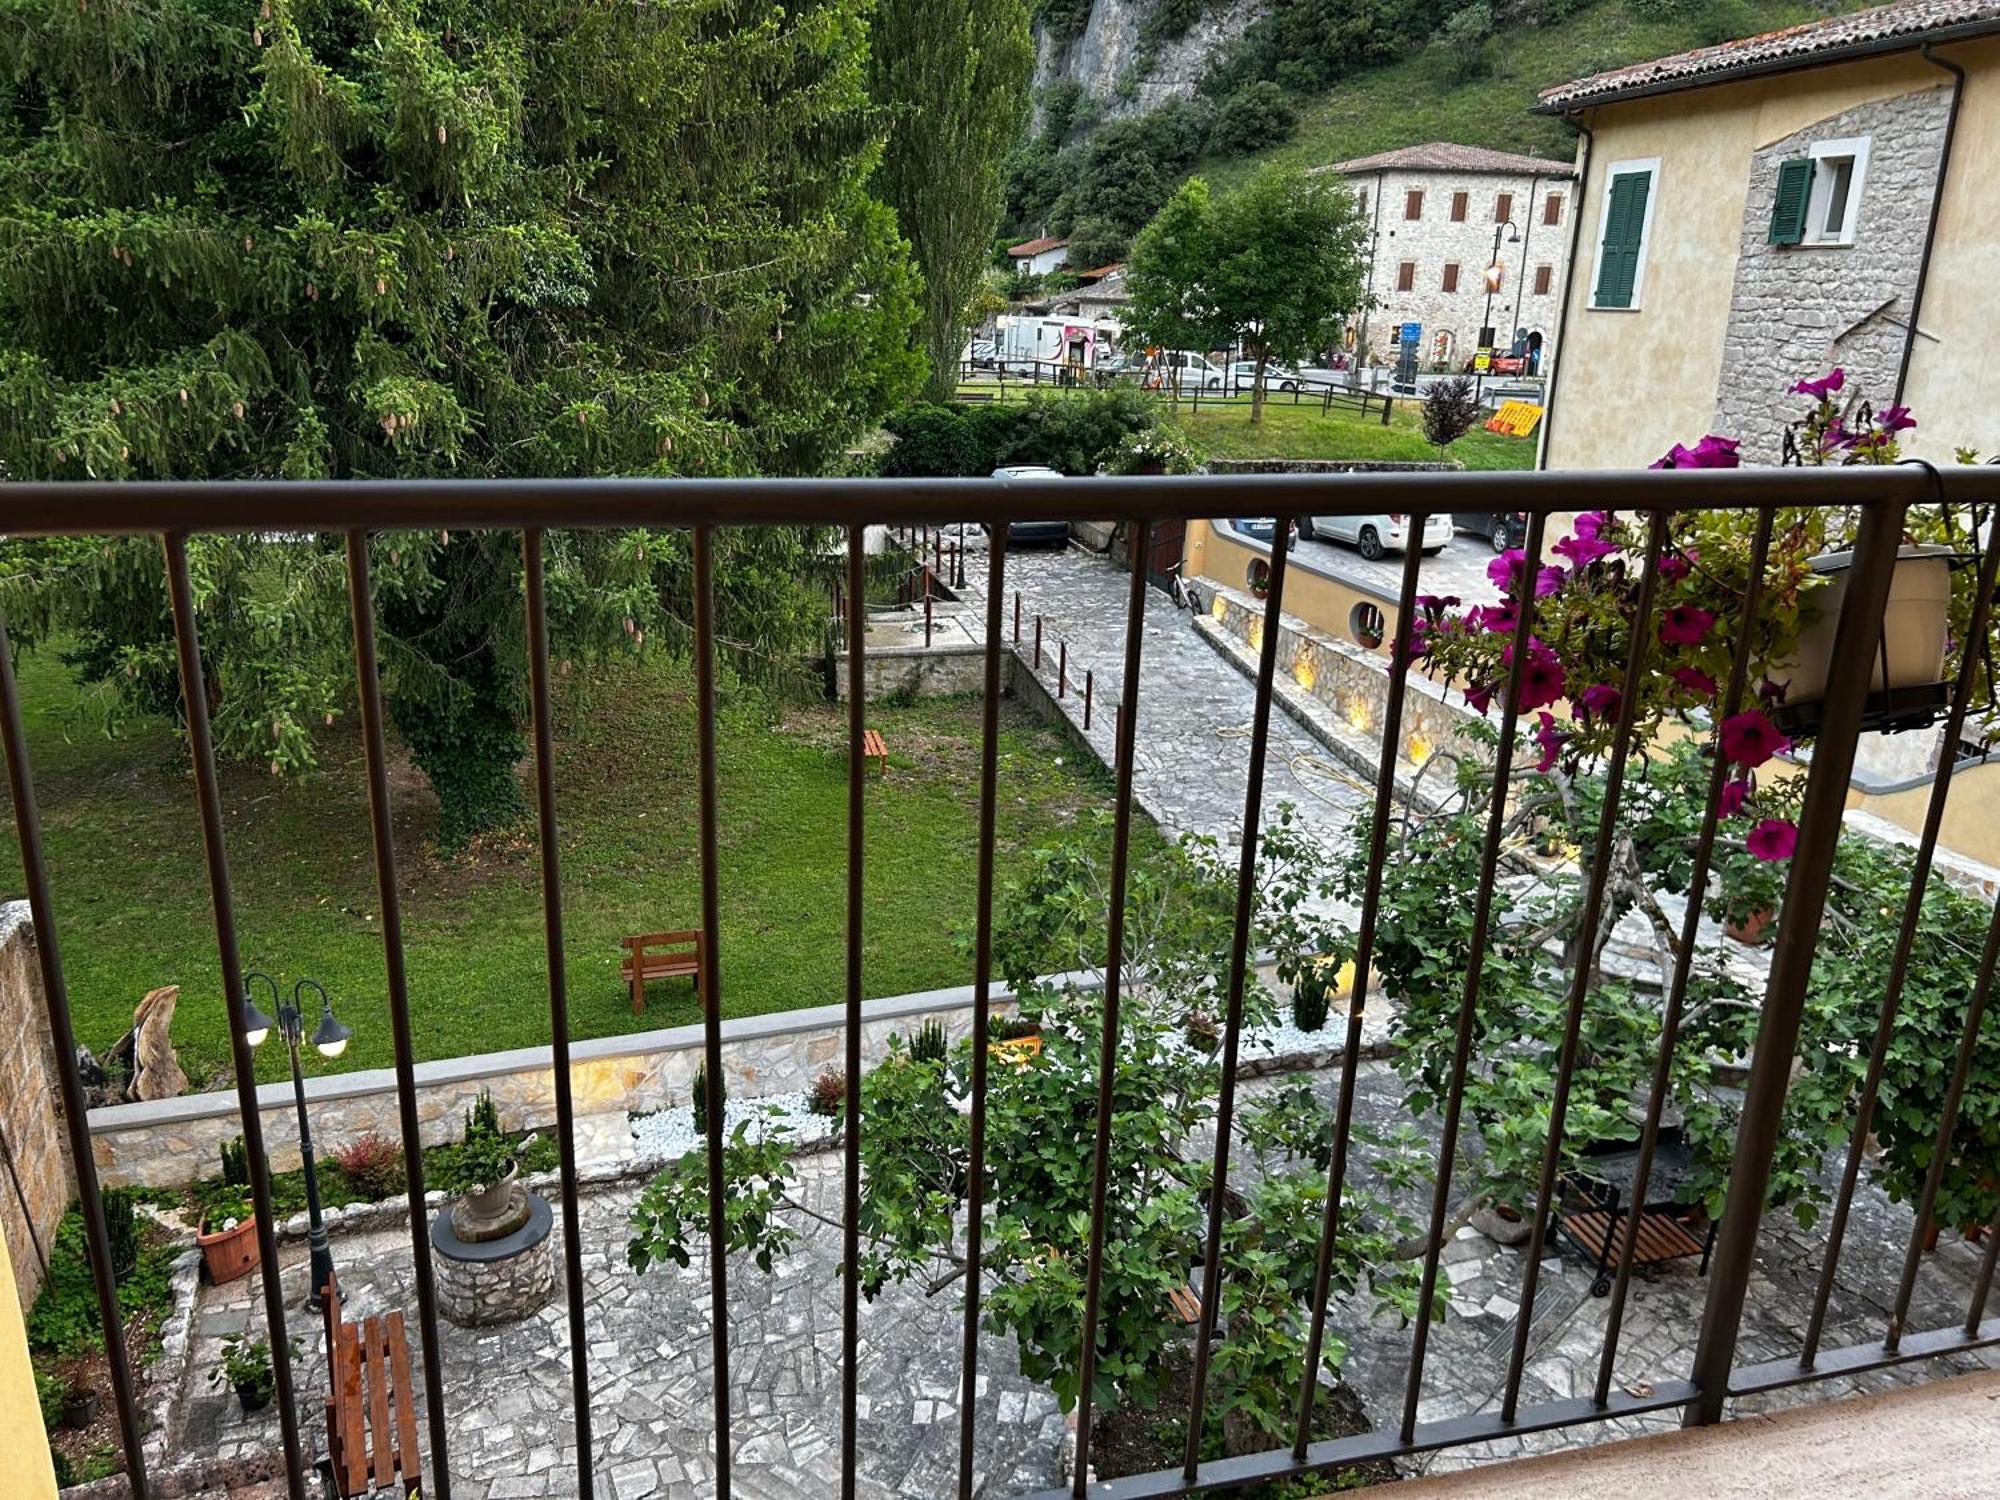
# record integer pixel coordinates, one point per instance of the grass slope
(131, 898)
(1410, 102)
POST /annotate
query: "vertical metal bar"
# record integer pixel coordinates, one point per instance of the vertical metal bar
(1592, 915)
(1400, 655)
(1468, 1008)
(552, 934)
(1976, 1313)
(1906, 936)
(1062, 668)
(1670, 1021)
(711, 994)
(1114, 962)
(1086, 697)
(208, 797)
(1968, 1043)
(1017, 606)
(982, 994)
(850, 1261)
(75, 1109)
(1038, 643)
(927, 610)
(1735, 1253)
(368, 678)
(1232, 1023)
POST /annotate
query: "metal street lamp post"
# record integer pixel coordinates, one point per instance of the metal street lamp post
(330, 1037)
(1493, 276)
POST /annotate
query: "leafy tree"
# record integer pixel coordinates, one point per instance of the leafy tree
(351, 240)
(1450, 408)
(1257, 115)
(1462, 44)
(954, 78)
(1040, 1131)
(1275, 266)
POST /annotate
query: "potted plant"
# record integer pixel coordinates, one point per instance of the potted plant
(227, 1237)
(1014, 1039)
(486, 1163)
(246, 1369)
(68, 1399)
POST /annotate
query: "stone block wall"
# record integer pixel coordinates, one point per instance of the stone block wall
(31, 1122)
(168, 1142)
(943, 670)
(1795, 310)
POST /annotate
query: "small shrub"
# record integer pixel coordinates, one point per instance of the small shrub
(1012, 1028)
(829, 1093)
(700, 1099)
(373, 1166)
(1309, 1001)
(236, 1163)
(1450, 409)
(51, 1392)
(928, 1045)
(1257, 115)
(1202, 1033)
(483, 1118)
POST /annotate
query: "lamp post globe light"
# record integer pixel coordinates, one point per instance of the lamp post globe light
(329, 1038)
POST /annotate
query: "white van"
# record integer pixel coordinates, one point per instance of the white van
(1374, 535)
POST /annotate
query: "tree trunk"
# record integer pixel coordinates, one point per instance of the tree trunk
(1257, 389)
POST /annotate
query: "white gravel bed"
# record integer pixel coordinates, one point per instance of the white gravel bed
(670, 1132)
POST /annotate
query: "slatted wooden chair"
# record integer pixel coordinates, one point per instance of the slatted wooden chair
(660, 955)
(371, 1406)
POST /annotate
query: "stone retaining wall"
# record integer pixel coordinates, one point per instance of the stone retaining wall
(168, 1142)
(31, 1123)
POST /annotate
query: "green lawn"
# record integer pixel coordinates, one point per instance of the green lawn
(1301, 431)
(131, 898)
(1409, 103)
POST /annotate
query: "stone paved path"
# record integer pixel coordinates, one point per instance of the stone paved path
(508, 1388)
(1195, 708)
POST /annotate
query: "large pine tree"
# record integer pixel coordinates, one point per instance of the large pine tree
(430, 237)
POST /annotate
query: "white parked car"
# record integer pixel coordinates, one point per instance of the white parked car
(1372, 536)
(1243, 377)
(1054, 533)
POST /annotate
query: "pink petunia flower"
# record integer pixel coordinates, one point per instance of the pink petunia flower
(1550, 740)
(1600, 699)
(1548, 579)
(1712, 452)
(1582, 550)
(1734, 795)
(1502, 570)
(1823, 387)
(1749, 739)
(1695, 681)
(1896, 419)
(1496, 619)
(1773, 839)
(1542, 682)
(1685, 625)
(1480, 696)
(1675, 566)
(1590, 524)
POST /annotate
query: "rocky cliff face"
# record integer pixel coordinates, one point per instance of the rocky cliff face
(1109, 49)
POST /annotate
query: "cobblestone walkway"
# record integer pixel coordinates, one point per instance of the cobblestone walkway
(1193, 758)
(508, 1388)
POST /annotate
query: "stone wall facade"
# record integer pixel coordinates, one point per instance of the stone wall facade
(1435, 240)
(1796, 310)
(168, 1142)
(31, 1121)
(1109, 61)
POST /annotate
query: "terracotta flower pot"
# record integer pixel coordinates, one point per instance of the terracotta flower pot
(228, 1253)
(1017, 1049)
(1750, 930)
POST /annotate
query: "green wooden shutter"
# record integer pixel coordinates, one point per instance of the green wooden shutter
(1788, 207)
(1618, 258)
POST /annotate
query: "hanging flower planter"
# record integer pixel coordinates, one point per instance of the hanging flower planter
(1908, 688)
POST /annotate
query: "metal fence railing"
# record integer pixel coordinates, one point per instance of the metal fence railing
(1879, 496)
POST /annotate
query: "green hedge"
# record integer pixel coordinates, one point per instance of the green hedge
(1076, 433)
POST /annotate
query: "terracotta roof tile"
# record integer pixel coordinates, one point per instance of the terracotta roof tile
(1911, 22)
(1036, 247)
(1448, 156)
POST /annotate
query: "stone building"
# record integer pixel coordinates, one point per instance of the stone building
(1439, 215)
(1038, 257)
(1758, 212)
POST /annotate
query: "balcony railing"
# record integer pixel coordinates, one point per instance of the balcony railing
(1880, 497)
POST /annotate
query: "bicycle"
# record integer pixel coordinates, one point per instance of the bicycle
(1184, 594)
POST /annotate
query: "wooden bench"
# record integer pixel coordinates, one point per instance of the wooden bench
(371, 1405)
(1186, 1303)
(873, 749)
(660, 955)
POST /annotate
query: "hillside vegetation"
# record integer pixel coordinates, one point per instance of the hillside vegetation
(1321, 81)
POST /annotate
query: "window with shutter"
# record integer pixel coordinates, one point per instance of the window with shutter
(1545, 277)
(1503, 208)
(1552, 209)
(1624, 235)
(1450, 276)
(1458, 206)
(1406, 276)
(1789, 203)
(1413, 204)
